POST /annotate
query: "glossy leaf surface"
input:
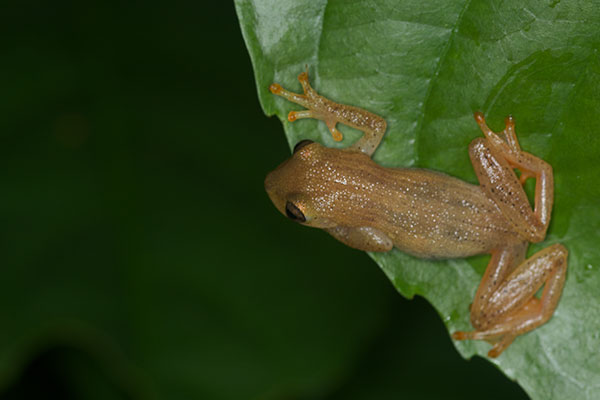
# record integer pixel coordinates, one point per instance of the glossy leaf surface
(425, 67)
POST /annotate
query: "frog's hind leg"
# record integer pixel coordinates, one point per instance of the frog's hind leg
(494, 161)
(505, 305)
(319, 107)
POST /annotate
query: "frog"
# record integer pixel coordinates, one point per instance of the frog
(429, 214)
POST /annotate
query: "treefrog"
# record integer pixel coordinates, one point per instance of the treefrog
(430, 214)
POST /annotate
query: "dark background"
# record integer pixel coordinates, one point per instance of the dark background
(140, 256)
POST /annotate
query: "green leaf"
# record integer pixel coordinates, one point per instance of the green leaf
(425, 67)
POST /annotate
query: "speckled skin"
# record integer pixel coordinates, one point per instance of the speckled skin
(424, 213)
(430, 214)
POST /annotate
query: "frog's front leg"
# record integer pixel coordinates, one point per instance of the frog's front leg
(505, 304)
(362, 238)
(319, 107)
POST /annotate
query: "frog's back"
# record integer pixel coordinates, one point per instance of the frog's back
(423, 212)
(430, 214)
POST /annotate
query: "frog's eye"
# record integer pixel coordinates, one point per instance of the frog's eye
(302, 144)
(293, 212)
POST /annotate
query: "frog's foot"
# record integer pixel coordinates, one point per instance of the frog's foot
(311, 100)
(503, 334)
(506, 306)
(332, 113)
(302, 99)
(499, 342)
(505, 140)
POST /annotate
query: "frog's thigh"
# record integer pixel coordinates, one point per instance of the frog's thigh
(502, 263)
(363, 238)
(513, 308)
(499, 181)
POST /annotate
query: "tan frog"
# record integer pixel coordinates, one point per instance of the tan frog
(429, 214)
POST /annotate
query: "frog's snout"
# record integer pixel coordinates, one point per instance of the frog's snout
(269, 184)
(271, 187)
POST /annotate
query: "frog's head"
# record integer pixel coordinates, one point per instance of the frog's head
(297, 186)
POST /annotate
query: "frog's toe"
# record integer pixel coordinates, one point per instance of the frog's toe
(501, 345)
(461, 335)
